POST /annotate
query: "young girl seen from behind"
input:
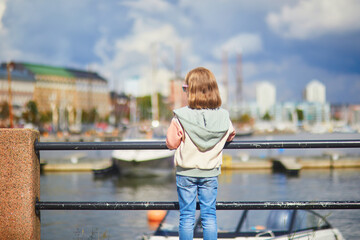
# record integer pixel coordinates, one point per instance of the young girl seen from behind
(199, 132)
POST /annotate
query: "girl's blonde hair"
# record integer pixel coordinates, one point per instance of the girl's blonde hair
(203, 91)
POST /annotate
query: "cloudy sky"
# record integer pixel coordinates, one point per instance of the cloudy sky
(288, 43)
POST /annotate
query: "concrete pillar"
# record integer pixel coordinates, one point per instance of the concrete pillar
(19, 184)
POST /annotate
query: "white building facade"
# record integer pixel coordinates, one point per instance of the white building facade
(265, 97)
(316, 109)
(315, 92)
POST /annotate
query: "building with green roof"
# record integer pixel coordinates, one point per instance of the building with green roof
(65, 92)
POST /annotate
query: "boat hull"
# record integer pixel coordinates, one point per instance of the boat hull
(143, 163)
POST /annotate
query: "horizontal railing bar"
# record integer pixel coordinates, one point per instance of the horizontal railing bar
(319, 205)
(100, 145)
(124, 145)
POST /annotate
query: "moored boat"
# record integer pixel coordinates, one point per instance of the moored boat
(143, 162)
(256, 224)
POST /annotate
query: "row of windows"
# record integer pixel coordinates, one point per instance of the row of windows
(101, 88)
(18, 86)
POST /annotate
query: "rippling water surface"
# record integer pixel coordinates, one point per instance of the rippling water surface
(234, 186)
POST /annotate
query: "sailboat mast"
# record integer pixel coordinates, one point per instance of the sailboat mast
(225, 78)
(154, 97)
(239, 80)
(178, 80)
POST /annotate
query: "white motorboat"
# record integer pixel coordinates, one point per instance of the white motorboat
(142, 162)
(256, 224)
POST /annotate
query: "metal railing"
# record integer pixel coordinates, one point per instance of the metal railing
(230, 145)
(48, 146)
(219, 205)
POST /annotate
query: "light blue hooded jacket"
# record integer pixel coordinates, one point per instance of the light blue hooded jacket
(205, 127)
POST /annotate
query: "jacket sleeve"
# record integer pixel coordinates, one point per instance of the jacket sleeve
(232, 133)
(174, 135)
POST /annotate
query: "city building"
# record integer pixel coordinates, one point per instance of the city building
(315, 91)
(120, 108)
(315, 112)
(284, 112)
(177, 97)
(22, 89)
(346, 115)
(354, 116)
(64, 92)
(315, 108)
(265, 97)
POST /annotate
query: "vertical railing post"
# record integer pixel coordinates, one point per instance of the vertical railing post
(19, 184)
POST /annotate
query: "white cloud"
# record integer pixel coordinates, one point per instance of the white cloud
(2, 11)
(7, 53)
(148, 5)
(149, 47)
(144, 37)
(244, 43)
(312, 18)
(118, 38)
(147, 50)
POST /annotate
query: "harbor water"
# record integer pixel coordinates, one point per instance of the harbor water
(311, 185)
(240, 185)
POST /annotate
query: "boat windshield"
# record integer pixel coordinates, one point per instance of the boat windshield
(309, 220)
(267, 220)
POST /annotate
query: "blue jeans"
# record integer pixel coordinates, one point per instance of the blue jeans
(206, 189)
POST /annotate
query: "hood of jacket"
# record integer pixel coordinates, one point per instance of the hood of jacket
(205, 127)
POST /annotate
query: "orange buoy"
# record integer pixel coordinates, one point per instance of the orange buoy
(156, 215)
